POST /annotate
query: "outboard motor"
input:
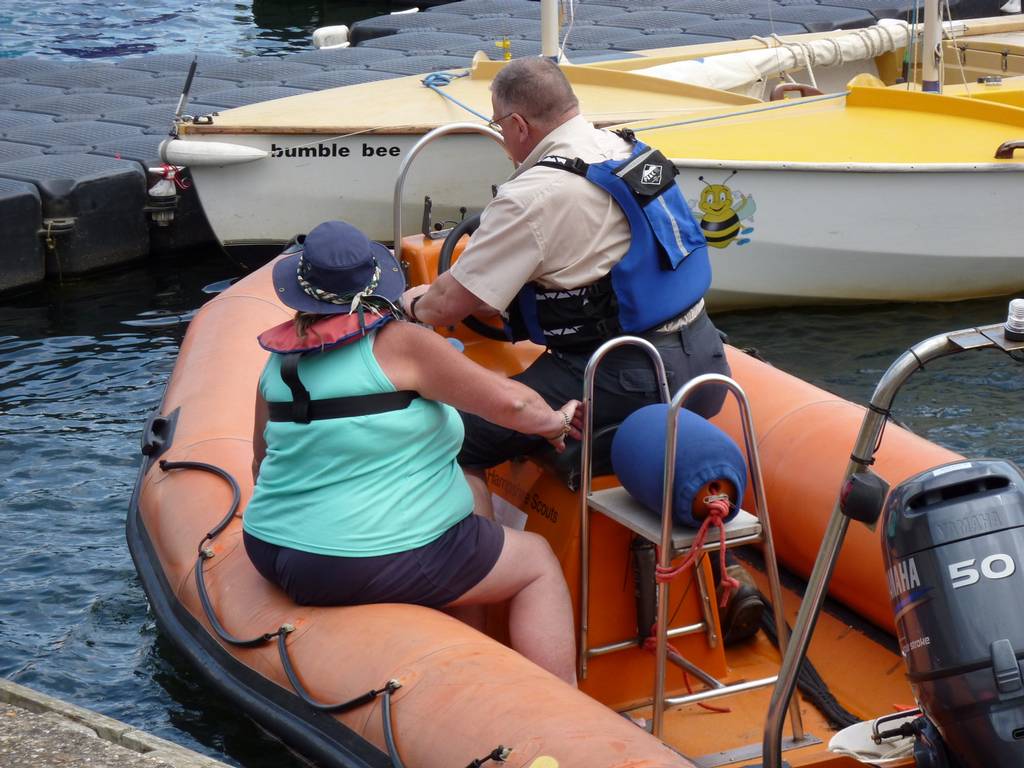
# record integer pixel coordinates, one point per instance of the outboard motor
(954, 552)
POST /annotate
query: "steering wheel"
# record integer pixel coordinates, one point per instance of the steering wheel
(444, 263)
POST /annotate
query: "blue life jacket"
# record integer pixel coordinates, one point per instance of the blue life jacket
(665, 271)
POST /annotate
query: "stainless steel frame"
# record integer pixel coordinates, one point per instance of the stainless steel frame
(403, 169)
(666, 549)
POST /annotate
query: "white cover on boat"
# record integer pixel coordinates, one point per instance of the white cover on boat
(856, 742)
(734, 71)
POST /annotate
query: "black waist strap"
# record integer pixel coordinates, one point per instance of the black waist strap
(303, 410)
(341, 407)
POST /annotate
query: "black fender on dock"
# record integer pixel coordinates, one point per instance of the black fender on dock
(22, 262)
(92, 209)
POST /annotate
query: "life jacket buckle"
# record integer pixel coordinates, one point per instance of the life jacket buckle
(576, 165)
(626, 134)
(606, 328)
(300, 411)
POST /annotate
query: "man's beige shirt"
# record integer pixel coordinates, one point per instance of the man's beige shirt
(548, 224)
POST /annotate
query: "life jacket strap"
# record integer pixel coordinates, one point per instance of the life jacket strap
(571, 164)
(303, 410)
(344, 407)
(298, 408)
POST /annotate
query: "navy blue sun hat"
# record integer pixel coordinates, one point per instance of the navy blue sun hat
(337, 269)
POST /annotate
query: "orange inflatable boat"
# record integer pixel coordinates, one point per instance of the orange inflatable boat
(416, 687)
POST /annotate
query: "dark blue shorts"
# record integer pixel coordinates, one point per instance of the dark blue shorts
(433, 575)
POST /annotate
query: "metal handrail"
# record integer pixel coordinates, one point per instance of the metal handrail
(865, 446)
(586, 469)
(761, 507)
(586, 478)
(403, 169)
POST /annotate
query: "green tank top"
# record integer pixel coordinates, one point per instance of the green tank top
(359, 486)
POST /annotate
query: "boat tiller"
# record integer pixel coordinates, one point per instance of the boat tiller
(954, 552)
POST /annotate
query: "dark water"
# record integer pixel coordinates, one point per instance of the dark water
(972, 403)
(82, 365)
(116, 28)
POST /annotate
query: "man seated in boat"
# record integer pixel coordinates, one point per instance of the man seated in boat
(589, 239)
(358, 497)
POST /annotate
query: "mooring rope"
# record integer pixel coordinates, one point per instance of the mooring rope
(437, 80)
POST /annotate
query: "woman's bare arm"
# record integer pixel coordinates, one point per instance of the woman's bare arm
(415, 358)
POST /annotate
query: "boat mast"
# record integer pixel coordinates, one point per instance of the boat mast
(931, 56)
(549, 29)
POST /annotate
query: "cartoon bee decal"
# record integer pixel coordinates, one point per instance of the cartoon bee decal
(721, 218)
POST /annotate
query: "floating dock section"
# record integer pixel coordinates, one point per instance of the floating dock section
(78, 137)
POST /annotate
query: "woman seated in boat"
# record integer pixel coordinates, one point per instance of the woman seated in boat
(358, 497)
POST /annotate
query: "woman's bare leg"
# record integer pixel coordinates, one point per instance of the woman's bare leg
(540, 612)
(475, 615)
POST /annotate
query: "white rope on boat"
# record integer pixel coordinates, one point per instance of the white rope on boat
(884, 30)
(734, 71)
(951, 29)
(772, 42)
(810, 59)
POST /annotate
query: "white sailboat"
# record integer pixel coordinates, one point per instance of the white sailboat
(266, 172)
(269, 171)
(823, 200)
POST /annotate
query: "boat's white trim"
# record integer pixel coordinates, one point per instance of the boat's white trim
(783, 165)
(824, 237)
